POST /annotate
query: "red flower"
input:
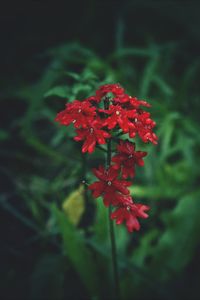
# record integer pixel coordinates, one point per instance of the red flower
(121, 99)
(95, 125)
(130, 102)
(91, 135)
(143, 125)
(92, 99)
(114, 198)
(115, 89)
(127, 157)
(119, 116)
(109, 186)
(129, 213)
(80, 113)
(135, 103)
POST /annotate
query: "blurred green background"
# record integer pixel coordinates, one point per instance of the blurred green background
(54, 236)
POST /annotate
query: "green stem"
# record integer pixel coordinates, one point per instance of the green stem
(112, 235)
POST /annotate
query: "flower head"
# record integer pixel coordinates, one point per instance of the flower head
(127, 157)
(135, 103)
(79, 113)
(95, 126)
(129, 213)
(143, 126)
(109, 185)
(115, 89)
(119, 116)
(91, 135)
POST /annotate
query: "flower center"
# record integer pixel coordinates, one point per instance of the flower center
(79, 110)
(109, 183)
(130, 156)
(91, 130)
(128, 208)
(117, 112)
(74, 121)
(136, 120)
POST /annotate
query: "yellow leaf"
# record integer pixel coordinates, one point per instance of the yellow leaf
(74, 206)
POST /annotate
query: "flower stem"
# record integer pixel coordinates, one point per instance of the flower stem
(112, 235)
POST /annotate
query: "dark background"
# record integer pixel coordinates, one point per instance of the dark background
(41, 165)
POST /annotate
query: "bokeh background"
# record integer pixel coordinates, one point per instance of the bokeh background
(54, 236)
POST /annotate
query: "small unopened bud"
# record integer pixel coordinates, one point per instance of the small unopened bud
(84, 182)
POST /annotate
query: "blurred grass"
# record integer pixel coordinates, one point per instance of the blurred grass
(44, 166)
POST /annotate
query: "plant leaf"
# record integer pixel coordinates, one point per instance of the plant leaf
(77, 252)
(74, 206)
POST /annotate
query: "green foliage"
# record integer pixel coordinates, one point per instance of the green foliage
(48, 167)
(47, 280)
(176, 244)
(74, 248)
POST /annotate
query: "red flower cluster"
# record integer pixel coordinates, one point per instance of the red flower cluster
(127, 157)
(111, 188)
(122, 114)
(129, 213)
(91, 135)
